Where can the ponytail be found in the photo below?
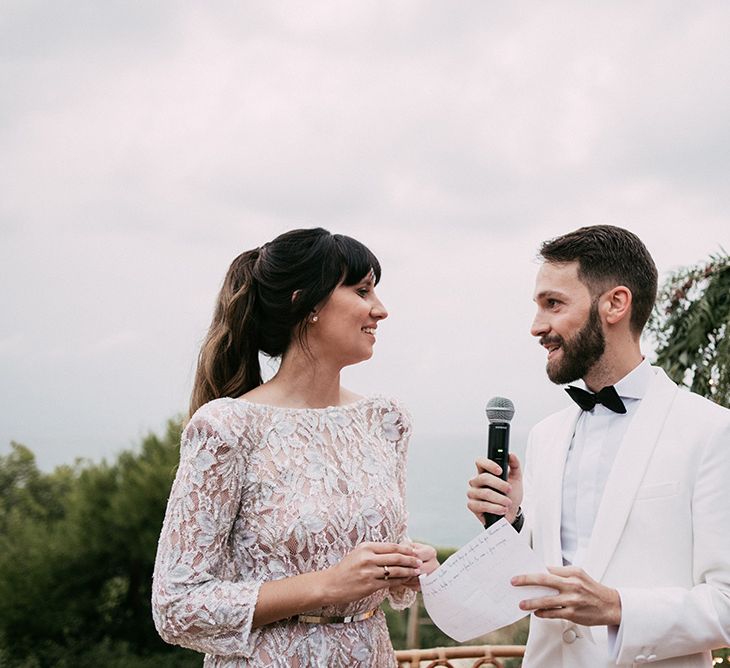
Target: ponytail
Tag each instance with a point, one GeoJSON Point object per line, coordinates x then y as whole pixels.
{"type": "Point", "coordinates": [228, 364]}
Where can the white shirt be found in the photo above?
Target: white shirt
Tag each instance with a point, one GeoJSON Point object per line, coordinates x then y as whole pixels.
{"type": "Point", "coordinates": [596, 440]}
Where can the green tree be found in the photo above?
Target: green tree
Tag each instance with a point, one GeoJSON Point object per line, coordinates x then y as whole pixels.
{"type": "Point", "coordinates": [77, 549]}
{"type": "Point", "coordinates": [25, 491]}
{"type": "Point", "coordinates": [690, 323]}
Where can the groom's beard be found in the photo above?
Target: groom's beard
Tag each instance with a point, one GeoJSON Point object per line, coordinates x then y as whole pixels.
{"type": "Point", "coordinates": [579, 353]}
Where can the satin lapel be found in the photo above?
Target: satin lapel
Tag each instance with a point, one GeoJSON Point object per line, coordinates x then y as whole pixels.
{"type": "Point", "coordinates": [627, 472]}
{"type": "Point", "coordinates": [554, 454]}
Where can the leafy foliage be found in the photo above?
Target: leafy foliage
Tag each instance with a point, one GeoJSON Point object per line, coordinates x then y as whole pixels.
{"type": "Point", "coordinates": [77, 549]}
{"type": "Point", "coordinates": [690, 323]}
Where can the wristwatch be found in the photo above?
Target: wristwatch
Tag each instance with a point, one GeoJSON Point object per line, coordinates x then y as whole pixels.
{"type": "Point", "coordinates": [519, 520]}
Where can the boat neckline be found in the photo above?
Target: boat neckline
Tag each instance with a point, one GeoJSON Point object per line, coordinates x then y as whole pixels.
{"type": "Point", "coordinates": [351, 404]}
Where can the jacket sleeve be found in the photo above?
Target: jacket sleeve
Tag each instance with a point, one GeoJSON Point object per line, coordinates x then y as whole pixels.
{"type": "Point", "coordinates": [660, 623]}
{"type": "Point", "coordinates": [196, 602]}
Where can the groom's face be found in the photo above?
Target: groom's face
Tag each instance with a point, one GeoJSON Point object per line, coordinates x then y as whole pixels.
{"type": "Point", "coordinates": [567, 323]}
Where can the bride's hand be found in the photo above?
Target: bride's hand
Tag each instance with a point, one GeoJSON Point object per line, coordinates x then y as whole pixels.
{"type": "Point", "coordinates": [427, 555]}
{"type": "Point", "coordinates": [369, 567]}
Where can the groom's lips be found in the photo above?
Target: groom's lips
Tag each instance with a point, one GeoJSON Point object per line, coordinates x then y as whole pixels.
{"type": "Point", "coordinates": [552, 347]}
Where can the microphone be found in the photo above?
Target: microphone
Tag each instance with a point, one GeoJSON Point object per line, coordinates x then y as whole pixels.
{"type": "Point", "coordinates": [499, 412]}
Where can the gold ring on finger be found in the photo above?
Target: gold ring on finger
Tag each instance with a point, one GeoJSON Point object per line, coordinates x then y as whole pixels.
{"type": "Point", "coordinates": [386, 573]}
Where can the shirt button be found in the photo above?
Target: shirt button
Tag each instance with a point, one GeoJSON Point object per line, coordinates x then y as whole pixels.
{"type": "Point", "coordinates": [569, 635]}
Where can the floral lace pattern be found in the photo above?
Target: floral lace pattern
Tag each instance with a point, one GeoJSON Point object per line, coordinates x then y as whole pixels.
{"type": "Point", "coordinates": [264, 493]}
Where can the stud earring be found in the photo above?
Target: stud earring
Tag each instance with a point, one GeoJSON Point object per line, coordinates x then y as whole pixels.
{"type": "Point", "coordinates": [314, 318]}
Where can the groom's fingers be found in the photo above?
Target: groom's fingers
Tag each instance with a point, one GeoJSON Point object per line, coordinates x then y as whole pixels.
{"type": "Point", "coordinates": [484, 500]}
{"type": "Point", "coordinates": [487, 495]}
{"type": "Point", "coordinates": [539, 579]}
{"type": "Point", "coordinates": [491, 481]}
{"type": "Point", "coordinates": [486, 465]}
{"type": "Point", "coordinates": [487, 492]}
{"type": "Point", "coordinates": [515, 470]}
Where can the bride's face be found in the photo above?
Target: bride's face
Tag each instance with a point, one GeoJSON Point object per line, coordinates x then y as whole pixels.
{"type": "Point", "coordinates": [346, 323]}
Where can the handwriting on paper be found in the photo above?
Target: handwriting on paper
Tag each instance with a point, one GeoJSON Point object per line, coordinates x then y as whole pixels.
{"type": "Point", "coordinates": [470, 593]}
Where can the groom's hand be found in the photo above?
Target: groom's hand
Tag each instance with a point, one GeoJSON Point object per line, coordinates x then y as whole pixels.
{"type": "Point", "coordinates": [488, 493]}
{"type": "Point", "coordinates": [580, 598]}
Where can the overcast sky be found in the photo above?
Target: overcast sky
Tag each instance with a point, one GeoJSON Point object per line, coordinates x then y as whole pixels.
{"type": "Point", "coordinates": [144, 145]}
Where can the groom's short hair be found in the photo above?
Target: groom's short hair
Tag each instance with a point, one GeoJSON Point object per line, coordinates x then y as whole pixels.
{"type": "Point", "coordinates": [608, 256]}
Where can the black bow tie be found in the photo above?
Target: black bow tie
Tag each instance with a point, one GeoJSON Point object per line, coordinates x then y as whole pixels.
{"type": "Point", "coordinates": [587, 400]}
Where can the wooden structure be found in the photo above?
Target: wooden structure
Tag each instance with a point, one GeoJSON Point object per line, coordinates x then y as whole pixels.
{"type": "Point", "coordinates": [483, 655]}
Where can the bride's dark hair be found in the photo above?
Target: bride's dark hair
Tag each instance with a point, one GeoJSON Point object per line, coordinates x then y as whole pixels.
{"type": "Point", "coordinates": [266, 298]}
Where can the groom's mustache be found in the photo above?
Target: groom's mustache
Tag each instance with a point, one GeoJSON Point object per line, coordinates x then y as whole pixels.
{"type": "Point", "coordinates": [551, 340]}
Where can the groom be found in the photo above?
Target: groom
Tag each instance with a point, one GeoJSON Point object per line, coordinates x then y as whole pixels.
{"type": "Point", "coordinates": [627, 491]}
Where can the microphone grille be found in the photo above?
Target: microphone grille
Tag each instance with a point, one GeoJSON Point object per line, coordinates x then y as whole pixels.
{"type": "Point", "coordinates": [500, 409]}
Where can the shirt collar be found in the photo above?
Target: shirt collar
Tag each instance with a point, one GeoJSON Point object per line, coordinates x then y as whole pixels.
{"type": "Point", "coordinates": [635, 383]}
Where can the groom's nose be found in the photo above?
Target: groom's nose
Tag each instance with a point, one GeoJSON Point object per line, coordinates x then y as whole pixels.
{"type": "Point", "coordinates": [539, 327]}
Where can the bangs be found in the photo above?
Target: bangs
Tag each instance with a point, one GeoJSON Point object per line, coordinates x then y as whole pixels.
{"type": "Point", "coordinates": [357, 260]}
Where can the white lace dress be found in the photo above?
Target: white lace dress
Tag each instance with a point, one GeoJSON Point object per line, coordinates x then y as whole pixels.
{"type": "Point", "coordinates": [264, 493]}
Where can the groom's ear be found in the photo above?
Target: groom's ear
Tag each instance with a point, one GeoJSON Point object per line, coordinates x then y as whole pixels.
{"type": "Point", "coordinates": [616, 305]}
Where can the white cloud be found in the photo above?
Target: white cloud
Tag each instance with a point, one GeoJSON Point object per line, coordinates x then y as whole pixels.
{"type": "Point", "coordinates": [145, 146]}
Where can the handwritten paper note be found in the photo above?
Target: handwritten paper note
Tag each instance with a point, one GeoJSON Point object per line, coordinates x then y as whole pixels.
{"type": "Point", "coordinates": [470, 593]}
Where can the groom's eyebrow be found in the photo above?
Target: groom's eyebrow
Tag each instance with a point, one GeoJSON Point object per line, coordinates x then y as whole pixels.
{"type": "Point", "coordinates": [546, 294]}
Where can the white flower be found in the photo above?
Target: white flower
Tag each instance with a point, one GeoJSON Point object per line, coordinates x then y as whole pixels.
{"type": "Point", "coordinates": [181, 573]}
{"type": "Point", "coordinates": [205, 522]}
{"type": "Point", "coordinates": [314, 523]}
{"type": "Point", "coordinates": [391, 426]}
{"type": "Point", "coordinates": [372, 516]}
{"type": "Point", "coordinates": [361, 652]}
{"type": "Point", "coordinates": [371, 465]}
{"type": "Point", "coordinates": [203, 460]}
{"type": "Point", "coordinates": [247, 539]}
{"type": "Point", "coordinates": [276, 567]}
{"type": "Point", "coordinates": [273, 440]}
{"type": "Point", "coordinates": [341, 418]}
{"type": "Point", "coordinates": [285, 427]}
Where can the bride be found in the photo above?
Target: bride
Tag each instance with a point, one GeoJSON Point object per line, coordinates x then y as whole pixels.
{"type": "Point", "coordinates": [286, 524]}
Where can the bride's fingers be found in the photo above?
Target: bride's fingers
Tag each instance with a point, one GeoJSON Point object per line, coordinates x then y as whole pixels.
{"type": "Point", "coordinates": [389, 573]}
{"type": "Point", "coordinates": [389, 548]}
{"type": "Point", "coordinates": [397, 560]}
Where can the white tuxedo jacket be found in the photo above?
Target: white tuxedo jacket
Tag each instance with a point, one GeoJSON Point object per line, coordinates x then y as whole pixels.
{"type": "Point", "coordinates": [661, 537]}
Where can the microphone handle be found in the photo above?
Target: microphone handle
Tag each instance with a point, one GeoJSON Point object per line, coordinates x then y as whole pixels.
{"type": "Point", "coordinates": [498, 451]}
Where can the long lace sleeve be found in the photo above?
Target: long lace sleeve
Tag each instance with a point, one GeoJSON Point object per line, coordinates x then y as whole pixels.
{"type": "Point", "coordinates": [399, 426]}
{"type": "Point", "coordinates": [197, 600]}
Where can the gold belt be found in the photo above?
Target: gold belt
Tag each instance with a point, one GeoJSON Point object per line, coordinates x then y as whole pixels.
{"type": "Point", "coordinates": [321, 619]}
